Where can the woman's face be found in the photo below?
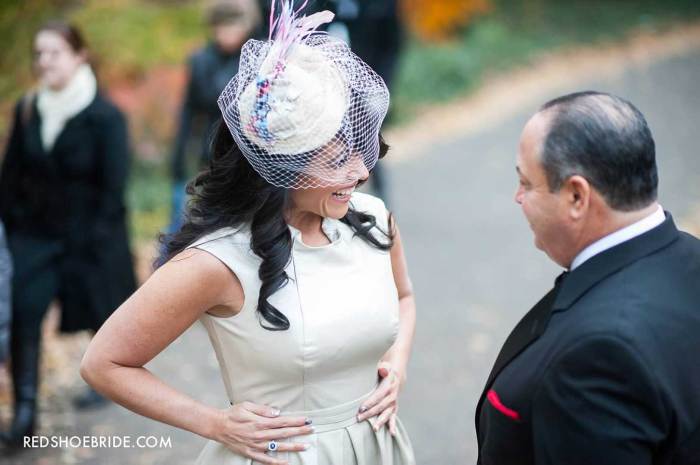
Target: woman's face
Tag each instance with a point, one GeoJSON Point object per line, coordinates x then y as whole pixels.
{"type": "Point", "coordinates": [333, 201]}
{"type": "Point", "coordinates": [55, 60]}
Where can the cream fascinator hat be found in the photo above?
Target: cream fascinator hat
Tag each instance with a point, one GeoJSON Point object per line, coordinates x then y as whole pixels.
{"type": "Point", "coordinates": [302, 104]}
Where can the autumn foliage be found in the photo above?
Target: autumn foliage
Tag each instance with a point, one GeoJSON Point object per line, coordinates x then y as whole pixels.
{"type": "Point", "coordinates": [439, 19]}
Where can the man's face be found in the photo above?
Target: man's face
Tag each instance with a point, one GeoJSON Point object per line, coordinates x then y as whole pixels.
{"type": "Point", "coordinates": [546, 212]}
{"type": "Point", "coordinates": [230, 36]}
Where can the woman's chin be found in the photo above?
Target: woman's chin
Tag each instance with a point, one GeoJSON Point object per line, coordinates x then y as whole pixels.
{"type": "Point", "coordinates": [337, 210]}
{"type": "Point", "coordinates": [340, 214]}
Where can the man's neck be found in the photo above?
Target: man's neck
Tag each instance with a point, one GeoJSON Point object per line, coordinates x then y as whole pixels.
{"type": "Point", "coordinates": [612, 222]}
{"type": "Point", "coordinates": [617, 220]}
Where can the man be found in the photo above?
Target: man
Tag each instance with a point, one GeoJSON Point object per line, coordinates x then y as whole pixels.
{"type": "Point", "coordinates": [604, 369]}
{"type": "Point", "coordinates": [375, 35]}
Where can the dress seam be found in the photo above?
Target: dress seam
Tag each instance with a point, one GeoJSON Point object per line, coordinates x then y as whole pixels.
{"type": "Point", "coordinates": [303, 329]}
{"type": "Point", "coordinates": [224, 365]}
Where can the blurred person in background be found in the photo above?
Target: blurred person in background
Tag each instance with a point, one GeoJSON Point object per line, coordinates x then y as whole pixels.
{"type": "Point", "coordinates": [231, 23]}
{"type": "Point", "coordinates": [375, 35]}
{"type": "Point", "coordinates": [62, 185]}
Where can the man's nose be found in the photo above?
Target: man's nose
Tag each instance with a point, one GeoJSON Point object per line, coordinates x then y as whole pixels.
{"type": "Point", "coordinates": [519, 195]}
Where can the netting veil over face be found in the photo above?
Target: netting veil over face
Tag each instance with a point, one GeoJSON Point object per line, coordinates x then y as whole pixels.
{"type": "Point", "coordinates": [304, 109]}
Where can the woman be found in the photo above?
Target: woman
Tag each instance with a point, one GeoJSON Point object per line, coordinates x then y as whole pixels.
{"type": "Point", "coordinates": [61, 199]}
{"type": "Point", "coordinates": [300, 281]}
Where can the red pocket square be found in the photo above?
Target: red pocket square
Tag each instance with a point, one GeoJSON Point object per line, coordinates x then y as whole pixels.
{"type": "Point", "coordinates": [498, 405]}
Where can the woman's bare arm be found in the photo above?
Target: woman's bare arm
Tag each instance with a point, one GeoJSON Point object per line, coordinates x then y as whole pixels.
{"type": "Point", "coordinates": [155, 315]}
{"type": "Point", "coordinates": [168, 303]}
{"type": "Point", "coordinates": [382, 405]}
{"type": "Point", "coordinates": [399, 353]}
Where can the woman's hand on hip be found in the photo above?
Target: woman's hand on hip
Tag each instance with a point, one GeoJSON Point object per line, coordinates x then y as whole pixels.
{"type": "Point", "coordinates": [248, 428]}
{"type": "Point", "coordinates": [383, 403]}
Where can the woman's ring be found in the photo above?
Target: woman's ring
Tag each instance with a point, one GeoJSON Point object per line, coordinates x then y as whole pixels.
{"type": "Point", "coordinates": [272, 446]}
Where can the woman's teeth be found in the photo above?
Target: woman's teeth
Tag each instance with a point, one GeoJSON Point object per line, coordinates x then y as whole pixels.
{"type": "Point", "coordinates": [344, 192]}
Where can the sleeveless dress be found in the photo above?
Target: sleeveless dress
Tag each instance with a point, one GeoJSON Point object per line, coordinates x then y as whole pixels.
{"type": "Point", "coordinates": [342, 305]}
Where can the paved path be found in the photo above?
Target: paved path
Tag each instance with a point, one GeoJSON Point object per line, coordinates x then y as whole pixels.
{"type": "Point", "coordinates": [475, 272]}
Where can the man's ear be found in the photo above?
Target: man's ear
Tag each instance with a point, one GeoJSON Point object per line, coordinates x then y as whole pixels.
{"type": "Point", "coordinates": [577, 190]}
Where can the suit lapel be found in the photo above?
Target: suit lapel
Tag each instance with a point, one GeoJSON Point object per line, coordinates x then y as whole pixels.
{"type": "Point", "coordinates": [525, 333]}
{"type": "Point", "coordinates": [529, 329]}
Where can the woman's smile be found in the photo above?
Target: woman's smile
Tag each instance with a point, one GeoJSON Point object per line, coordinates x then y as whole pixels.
{"type": "Point", "coordinates": [343, 195]}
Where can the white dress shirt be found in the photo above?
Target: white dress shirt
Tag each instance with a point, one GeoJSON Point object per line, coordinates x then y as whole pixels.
{"type": "Point", "coordinates": [618, 237]}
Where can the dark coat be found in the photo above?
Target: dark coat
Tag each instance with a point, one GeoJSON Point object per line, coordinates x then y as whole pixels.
{"type": "Point", "coordinates": [604, 369]}
{"type": "Point", "coordinates": [374, 26]}
{"type": "Point", "coordinates": [209, 71]}
{"type": "Point", "coordinates": [376, 36]}
{"type": "Point", "coordinates": [74, 196]}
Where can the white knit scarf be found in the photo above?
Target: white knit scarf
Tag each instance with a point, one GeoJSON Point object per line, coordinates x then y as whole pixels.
{"type": "Point", "coordinates": [56, 107]}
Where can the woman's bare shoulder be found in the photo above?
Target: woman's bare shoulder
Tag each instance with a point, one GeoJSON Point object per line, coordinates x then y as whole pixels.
{"type": "Point", "coordinates": [199, 271]}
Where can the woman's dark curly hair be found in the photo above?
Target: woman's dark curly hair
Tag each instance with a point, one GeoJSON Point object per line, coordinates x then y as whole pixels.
{"type": "Point", "coordinates": [231, 194]}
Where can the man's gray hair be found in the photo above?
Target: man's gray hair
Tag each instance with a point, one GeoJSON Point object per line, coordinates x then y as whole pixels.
{"type": "Point", "coordinates": [606, 140]}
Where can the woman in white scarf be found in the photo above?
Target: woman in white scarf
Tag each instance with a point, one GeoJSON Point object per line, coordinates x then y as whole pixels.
{"type": "Point", "coordinates": [56, 106]}
{"type": "Point", "coordinates": [67, 83]}
{"type": "Point", "coordinates": [62, 185]}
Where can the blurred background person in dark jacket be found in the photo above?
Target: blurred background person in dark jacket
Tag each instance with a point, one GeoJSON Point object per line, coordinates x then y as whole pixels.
{"type": "Point", "coordinates": [231, 23]}
{"type": "Point", "coordinates": [375, 35]}
{"type": "Point", "coordinates": [62, 185]}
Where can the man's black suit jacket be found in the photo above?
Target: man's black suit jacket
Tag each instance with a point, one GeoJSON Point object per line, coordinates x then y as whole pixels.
{"type": "Point", "coordinates": [605, 369]}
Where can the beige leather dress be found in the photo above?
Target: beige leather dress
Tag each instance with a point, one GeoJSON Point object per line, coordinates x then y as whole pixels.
{"type": "Point", "coordinates": [342, 305]}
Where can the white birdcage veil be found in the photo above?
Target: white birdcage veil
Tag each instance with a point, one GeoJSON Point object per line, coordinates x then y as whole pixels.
{"type": "Point", "coordinates": [303, 105]}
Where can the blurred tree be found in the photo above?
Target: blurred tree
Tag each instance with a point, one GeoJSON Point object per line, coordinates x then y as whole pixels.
{"type": "Point", "coordinates": [438, 20]}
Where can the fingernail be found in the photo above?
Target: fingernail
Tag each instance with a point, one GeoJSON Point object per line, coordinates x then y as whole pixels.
{"type": "Point", "coordinates": [363, 409]}
{"type": "Point", "coordinates": [306, 446]}
{"type": "Point", "coordinates": [276, 412]}
{"type": "Point", "coordinates": [308, 421]}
